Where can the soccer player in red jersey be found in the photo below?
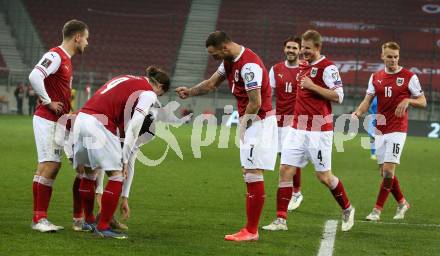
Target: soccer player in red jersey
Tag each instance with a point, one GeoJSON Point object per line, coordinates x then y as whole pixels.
{"type": "Point", "coordinates": [97, 145]}
{"type": "Point", "coordinates": [146, 133]}
{"type": "Point", "coordinates": [52, 80]}
{"type": "Point", "coordinates": [396, 88]}
{"type": "Point", "coordinates": [311, 136]}
{"type": "Point", "coordinates": [248, 81]}
{"type": "Point", "coordinates": [283, 80]}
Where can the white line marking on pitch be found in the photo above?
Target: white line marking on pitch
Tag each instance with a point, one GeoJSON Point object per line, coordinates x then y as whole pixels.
{"type": "Point", "coordinates": [401, 223]}
{"type": "Point", "coordinates": [328, 238]}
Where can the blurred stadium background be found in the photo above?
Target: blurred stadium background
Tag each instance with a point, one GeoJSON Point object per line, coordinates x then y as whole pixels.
{"type": "Point", "coordinates": [126, 36]}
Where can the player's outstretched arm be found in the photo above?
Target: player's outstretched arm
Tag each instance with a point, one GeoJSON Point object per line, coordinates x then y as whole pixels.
{"type": "Point", "coordinates": [363, 107]}
{"type": "Point", "coordinates": [202, 88]}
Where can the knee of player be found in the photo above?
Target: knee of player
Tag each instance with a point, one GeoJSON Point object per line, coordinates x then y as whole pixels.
{"type": "Point", "coordinates": [286, 173]}
{"type": "Point", "coordinates": [388, 170]}
{"type": "Point", "coordinates": [50, 166]}
{"type": "Point", "coordinates": [325, 178]}
{"type": "Point", "coordinates": [250, 177]}
{"type": "Point", "coordinates": [388, 173]}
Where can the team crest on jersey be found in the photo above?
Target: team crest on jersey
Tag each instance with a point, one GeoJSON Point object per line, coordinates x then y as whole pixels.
{"type": "Point", "coordinates": [236, 75]}
{"type": "Point", "coordinates": [400, 81]}
{"type": "Point", "coordinates": [335, 76]}
{"type": "Point", "coordinates": [313, 72]}
{"type": "Point", "coordinates": [249, 76]}
{"type": "Point", "coordinates": [46, 63]}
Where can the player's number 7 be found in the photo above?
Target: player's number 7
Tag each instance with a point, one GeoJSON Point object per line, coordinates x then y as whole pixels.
{"type": "Point", "coordinates": [114, 83]}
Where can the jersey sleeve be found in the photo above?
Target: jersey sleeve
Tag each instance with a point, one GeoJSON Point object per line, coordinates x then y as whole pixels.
{"type": "Point", "coordinates": [414, 86]}
{"type": "Point", "coordinates": [130, 173]}
{"type": "Point", "coordinates": [272, 80]}
{"type": "Point", "coordinates": [370, 89]}
{"type": "Point", "coordinates": [252, 75]}
{"type": "Point", "coordinates": [49, 63]}
{"type": "Point", "coordinates": [331, 77]}
{"type": "Point", "coordinates": [146, 100]}
{"type": "Point", "coordinates": [221, 70]}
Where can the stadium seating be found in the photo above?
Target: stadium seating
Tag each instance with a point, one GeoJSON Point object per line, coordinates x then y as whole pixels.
{"type": "Point", "coordinates": [352, 30]}
{"type": "Point", "coordinates": [3, 68]}
{"type": "Point", "coordinates": [125, 36]}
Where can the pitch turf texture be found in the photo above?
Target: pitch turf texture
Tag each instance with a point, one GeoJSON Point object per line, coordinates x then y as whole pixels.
{"type": "Point", "coordinates": [185, 207]}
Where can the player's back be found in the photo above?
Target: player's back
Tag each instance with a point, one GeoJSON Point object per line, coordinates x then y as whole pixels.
{"type": "Point", "coordinates": [116, 99]}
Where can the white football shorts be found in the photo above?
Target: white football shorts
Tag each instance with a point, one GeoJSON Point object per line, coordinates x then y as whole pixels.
{"type": "Point", "coordinates": [94, 145]}
{"type": "Point", "coordinates": [48, 150]}
{"type": "Point", "coordinates": [282, 133]}
{"type": "Point", "coordinates": [259, 148]}
{"type": "Point", "coordinates": [389, 147]}
{"type": "Point", "coordinates": [300, 146]}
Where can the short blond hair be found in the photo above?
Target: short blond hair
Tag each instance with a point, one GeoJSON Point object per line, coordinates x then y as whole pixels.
{"type": "Point", "coordinates": [391, 45]}
{"type": "Point", "coordinates": [314, 36]}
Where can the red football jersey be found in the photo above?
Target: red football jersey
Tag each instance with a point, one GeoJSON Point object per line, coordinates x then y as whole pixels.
{"type": "Point", "coordinates": [57, 85]}
{"type": "Point", "coordinates": [285, 81]}
{"type": "Point", "coordinates": [390, 90]}
{"type": "Point", "coordinates": [117, 98]}
{"type": "Point", "coordinates": [243, 75]}
{"type": "Point", "coordinates": [313, 112]}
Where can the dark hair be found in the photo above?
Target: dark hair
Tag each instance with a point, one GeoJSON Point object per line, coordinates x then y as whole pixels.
{"type": "Point", "coordinates": [295, 39]}
{"type": "Point", "coordinates": [314, 36]}
{"type": "Point", "coordinates": [72, 27]}
{"type": "Point", "coordinates": [217, 39]}
{"type": "Point", "coordinates": [159, 76]}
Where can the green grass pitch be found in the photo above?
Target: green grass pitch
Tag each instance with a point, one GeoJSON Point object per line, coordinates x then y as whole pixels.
{"type": "Point", "coordinates": [185, 207]}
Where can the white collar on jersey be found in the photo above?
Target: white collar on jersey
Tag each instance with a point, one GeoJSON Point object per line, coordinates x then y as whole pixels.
{"type": "Point", "coordinates": [241, 53]}
{"type": "Point", "coordinates": [64, 50]}
{"type": "Point", "coordinates": [317, 61]}
{"type": "Point", "coordinates": [286, 63]}
{"type": "Point", "coordinates": [395, 72]}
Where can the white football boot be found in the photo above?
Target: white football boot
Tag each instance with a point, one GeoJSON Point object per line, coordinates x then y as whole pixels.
{"type": "Point", "coordinates": [295, 201]}
{"type": "Point", "coordinates": [401, 210]}
{"type": "Point", "coordinates": [43, 225]}
{"type": "Point", "coordinates": [278, 224]}
{"type": "Point", "coordinates": [347, 218]}
{"type": "Point", "coordinates": [374, 215]}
